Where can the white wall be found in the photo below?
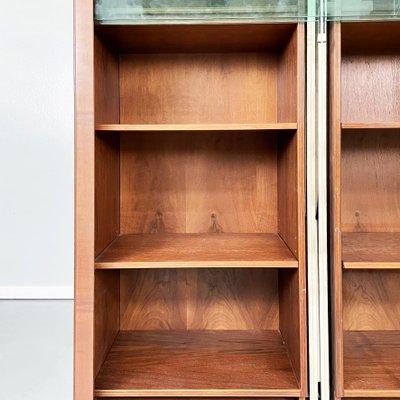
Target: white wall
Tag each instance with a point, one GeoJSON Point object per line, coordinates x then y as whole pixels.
{"type": "Point", "coordinates": [36, 148]}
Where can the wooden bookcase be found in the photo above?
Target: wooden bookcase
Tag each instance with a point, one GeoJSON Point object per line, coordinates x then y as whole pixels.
{"type": "Point", "coordinates": [365, 207]}
{"type": "Point", "coordinates": [190, 225]}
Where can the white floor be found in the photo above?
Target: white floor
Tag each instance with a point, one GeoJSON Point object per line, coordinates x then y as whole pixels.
{"type": "Point", "coordinates": [36, 349]}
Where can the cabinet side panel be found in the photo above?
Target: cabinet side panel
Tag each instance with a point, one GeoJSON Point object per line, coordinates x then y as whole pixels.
{"type": "Point", "coordinates": [107, 189]}
{"type": "Point", "coordinates": [287, 80]}
{"type": "Point", "coordinates": [106, 70]}
{"type": "Point", "coordinates": [106, 311]}
{"type": "Point", "coordinates": [223, 298]}
{"type": "Point", "coordinates": [334, 198]}
{"type": "Point", "coordinates": [291, 225]}
{"type": "Point", "coordinates": [84, 200]}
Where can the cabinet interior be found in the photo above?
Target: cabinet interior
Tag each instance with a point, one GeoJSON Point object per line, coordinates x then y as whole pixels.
{"type": "Point", "coordinates": [199, 225]}
{"type": "Point", "coordinates": [365, 142]}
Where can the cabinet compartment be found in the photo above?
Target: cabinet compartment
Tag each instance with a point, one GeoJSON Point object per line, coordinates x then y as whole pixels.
{"type": "Point", "coordinates": [365, 211]}
{"type": "Point", "coordinates": [370, 198]}
{"type": "Point", "coordinates": [370, 73]}
{"type": "Point", "coordinates": [197, 74]}
{"type": "Point", "coordinates": [191, 332]}
{"type": "Point", "coordinates": [196, 199]}
{"type": "Point", "coordinates": [371, 323]}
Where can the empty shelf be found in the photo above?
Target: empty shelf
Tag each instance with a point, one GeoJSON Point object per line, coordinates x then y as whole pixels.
{"type": "Point", "coordinates": [371, 250]}
{"type": "Point", "coordinates": [195, 127]}
{"type": "Point", "coordinates": [197, 250]}
{"type": "Point", "coordinates": [197, 363]}
{"type": "Point", "coordinates": [372, 363]}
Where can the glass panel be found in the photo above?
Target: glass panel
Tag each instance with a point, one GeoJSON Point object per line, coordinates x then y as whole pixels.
{"type": "Point", "coordinates": [145, 11]}
{"type": "Point", "coordinates": [354, 10]}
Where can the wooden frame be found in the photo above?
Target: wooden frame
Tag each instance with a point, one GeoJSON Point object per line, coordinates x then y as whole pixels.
{"type": "Point", "coordinates": [169, 269]}
{"type": "Point", "coordinates": [364, 215]}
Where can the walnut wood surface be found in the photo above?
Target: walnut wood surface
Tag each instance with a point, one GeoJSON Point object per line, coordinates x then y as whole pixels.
{"type": "Point", "coordinates": [106, 314]}
{"type": "Point", "coordinates": [106, 75]}
{"type": "Point", "coordinates": [196, 38]}
{"type": "Point", "coordinates": [372, 364]}
{"type": "Point", "coordinates": [371, 300]}
{"type": "Point", "coordinates": [353, 126]}
{"type": "Point", "coordinates": [370, 87]}
{"type": "Point", "coordinates": [198, 363]}
{"type": "Point", "coordinates": [106, 190]}
{"type": "Point", "coordinates": [187, 88]}
{"type": "Point", "coordinates": [371, 250]}
{"type": "Point", "coordinates": [196, 250]}
{"type": "Point", "coordinates": [335, 50]}
{"type": "Point", "coordinates": [84, 201]}
{"type": "Point", "coordinates": [190, 299]}
{"type": "Point", "coordinates": [370, 181]}
{"type": "Point", "coordinates": [189, 177]}
{"type": "Point", "coordinates": [195, 127]}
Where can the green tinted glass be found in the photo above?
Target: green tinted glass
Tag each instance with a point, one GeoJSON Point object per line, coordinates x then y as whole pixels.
{"type": "Point", "coordinates": [136, 11]}
{"type": "Point", "coordinates": [354, 10]}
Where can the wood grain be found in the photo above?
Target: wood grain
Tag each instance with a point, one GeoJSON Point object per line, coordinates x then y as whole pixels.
{"type": "Point", "coordinates": [370, 88]}
{"type": "Point", "coordinates": [197, 38]}
{"type": "Point", "coordinates": [196, 250]}
{"type": "Point", "coordinates": [335, 136]}
{"type": "Point", "coordinates": [353, 126]}
{"type": "Point", "coordinates": [155, 88]}
{"type": "Point", "coordinates": [289, 61]}
{"type": "Point", "coordinates": [84, 202]}
{"type": "Point", "coordinates": [372, 364]}
{"type": "Point", "coordinates": [198, 363]}
{"type": "Point", "coordinates": [288, 191]}
{"type": "Point", "coordinates": [176, 299]}
{"type": "Point", "coordinates": [106, 75]}
{"type": "Point", "coordinates": [106, 190]}
{"type": "Point", "coordinates": [196, 127]}
{"type": "Point", "coordinates": [371, 250]}
{"type": "Point", "coordinates": [189, 177]}
{"type": "Point", "coordinates": [371, 181]}
{"type": "Point", "coordinates": [371, 300]}
{"type": "Point", "coordinates": [106, 314]}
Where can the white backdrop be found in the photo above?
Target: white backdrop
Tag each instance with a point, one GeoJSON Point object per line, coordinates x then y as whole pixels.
{"type": "Point", "coordinates": [36, 148]}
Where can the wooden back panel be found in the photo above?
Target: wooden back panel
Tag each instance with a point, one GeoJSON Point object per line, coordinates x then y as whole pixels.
{"type": "Point", "coordinates": [371, 181]}
{"type": "Point", "coordinates": [370, 86]}
{"type": "Point", "coordinates": [189, 88]}
{"type": "Point", "coordinates": [199, 299]}
{"type": "Point", "coordinates": [190, 176]}
{"type": "Point", "coordinates": [371, 300]}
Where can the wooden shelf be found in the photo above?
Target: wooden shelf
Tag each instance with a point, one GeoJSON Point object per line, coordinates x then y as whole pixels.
{"type": "Point", "coordinates": [371, 250]}
{"type": "Point", "coordinates": [371, 125]}
{"type": "Point", "coordinates": [197, 250]}
{"type": "Point", "coordinates": [372, 364]}
{"type": "Point", "coordinates": [197, 363]}
{"type": "Point", "coordinates": [195, 127]}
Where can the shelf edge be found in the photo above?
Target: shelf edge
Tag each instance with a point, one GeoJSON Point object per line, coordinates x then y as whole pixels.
{"type": "Point", "coordinates": [359, 393]}
{"type": "Point", "coordinates": [194, 127]}
{"type": "Point", "coordinates": [370, 125]}
{"type": "Point", "coordinates": [199, 393]}
{"type": "Point", "coordinates": [370, 265]}
{"type": "Point", "coordinates": [196, 264]}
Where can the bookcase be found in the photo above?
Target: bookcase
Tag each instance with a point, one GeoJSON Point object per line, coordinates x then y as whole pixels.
{"type": "Point", "coordinates": [365, 207]}
{"type": "Point", "coordinates": [190, 210]}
